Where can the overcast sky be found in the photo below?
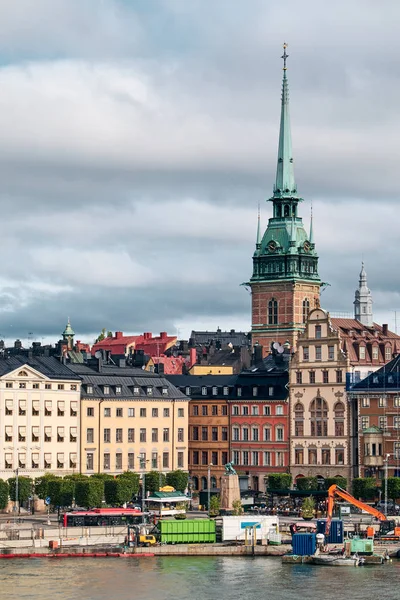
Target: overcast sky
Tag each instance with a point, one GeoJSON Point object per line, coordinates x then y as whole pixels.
{"type": "Point", "coordinates": [137, 138]}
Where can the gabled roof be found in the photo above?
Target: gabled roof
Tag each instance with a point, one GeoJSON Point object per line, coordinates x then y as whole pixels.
{"type": "Point", "coordinates": [386, 378]}
{"type": "Point", "coordinates": [49, 366]}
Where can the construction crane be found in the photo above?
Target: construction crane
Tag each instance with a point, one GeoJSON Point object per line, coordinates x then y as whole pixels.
{"type": "Point", "coordinates": [336, 492]}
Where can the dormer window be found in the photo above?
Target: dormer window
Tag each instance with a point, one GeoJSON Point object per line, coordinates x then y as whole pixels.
{"type": "Point", "coordinates": [187, 391]}
{"type": "Point", "coordinates": [106, 389]}
{"type": "Point", "coordinates": [361, 352]}
{"type": "Point", "coordinates": [136, 390]}
{"type": "Point", "coordinates": [149, 390]}
{"type": "Point", "coordinates": [204, 391]}
{"type": "Point", "coordinates": [89, 389]}
{"type": "Point", "coordinates": [118, 389]}
{"type": "Point", "coordinates": [255, 391]}
{"type": "Point", "coordinates": [214, 390]}
{"type": "Point", "coordinates": [375, 352]}
{"type": "Point", "coordinates": [165, 391]}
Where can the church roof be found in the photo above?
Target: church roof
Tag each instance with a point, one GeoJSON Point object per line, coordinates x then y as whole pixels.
{"type": "Point", "coordinates": [68, 329]}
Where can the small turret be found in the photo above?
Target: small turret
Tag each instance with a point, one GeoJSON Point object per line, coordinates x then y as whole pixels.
{"type": "Point", "coordinates": [363, 301]}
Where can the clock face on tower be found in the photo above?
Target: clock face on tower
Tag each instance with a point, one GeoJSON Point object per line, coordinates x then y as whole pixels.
{"type": "Point", "coordinates": [306, 246]}
{"type": "Point", "coordinates": [272, 246]}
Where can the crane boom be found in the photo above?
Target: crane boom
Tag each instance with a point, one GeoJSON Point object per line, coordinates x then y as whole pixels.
{"type": "Point", "coordinates": [335, 491]}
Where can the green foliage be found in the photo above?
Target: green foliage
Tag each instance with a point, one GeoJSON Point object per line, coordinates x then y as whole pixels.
{"type": "Point", "coordinates": [153, 481]}
{"type": "Point", "coordinates": [134, 479]}
{"type": "Point", "coordinates": [393, 488]}
{"type": "Point", "coordinates": [102, 476]}
{"type": "Point", "coordinates": [178, 479]}
{"type": "Point", "coordinates": [364, 488]}
{"type": "Point", "coordinates": [215, 505]}
{"type": "Point", "coordinates": [118, 491]}
{"type": "Point", "coordinates": [25, 488]}
{"type": "Point", "coordinates": [340, 481]}
{"type": "Point", "coordinates": [237, 508]}
{"type": "Point", "coordinates": [89, 492]}
{"type": "Point", "coordinates": [103, 334]}
{"type": "Point", "coordinates": [180, 516]}
{"type": "Point", "coordinates": [307, 483]}
{"type": "Point", "coordinates": [308, 507]}
{"type": "Point", "coordinates": [67, 492]}
{"type": "Point", "coordinates": [4, 493]}
{"type": "Point", "coordinates": [42, 485]}
{"type": "Point", "coordinates": [76, 477]}
{"type": "Point", "coordinates": [279, 481]}
{"type": "Point", "coordinates": [61, 491]}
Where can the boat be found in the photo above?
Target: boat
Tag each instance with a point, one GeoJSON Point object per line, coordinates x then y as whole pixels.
{"type": "Point", "coordinates": [337, 561]}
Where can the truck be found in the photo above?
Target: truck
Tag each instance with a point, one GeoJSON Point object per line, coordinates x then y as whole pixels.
{"type": "Point", "coordinates": [235, 528]}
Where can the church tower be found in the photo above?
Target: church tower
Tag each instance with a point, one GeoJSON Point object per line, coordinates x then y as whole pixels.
{"type": "Point", "coordinates": [363, 301]}
{"type": "Point", "coordinates": [68, 335]}
{"type": "Point", "coordinates": [285, 284]}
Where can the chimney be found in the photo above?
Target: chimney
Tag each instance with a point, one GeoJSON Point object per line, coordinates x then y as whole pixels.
{"type": "Point", "coordinates": [257, 354]}
{"type": "Point", "coordinates": [122, 363]}
{"type": "Point", "coordinates": [159, 368]}
{"type": "Point", "coordinates": [118, 335]}
{"type": "Point", "coordinates": [163, 335]}
{"type": "Point", "coordinates": [193, 357]}
{"type": "Point", "coordinates": [384, 329]}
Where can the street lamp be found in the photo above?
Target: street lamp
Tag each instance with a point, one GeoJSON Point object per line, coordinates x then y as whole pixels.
{"type": "Point", "coordinates": [16, 505]}
{"type": "Point", "coordinates": [386, 460]}
{"type": "Point", "coordinates": [208, 486]}
{"type": "Point", "coordinates": [142, 462]}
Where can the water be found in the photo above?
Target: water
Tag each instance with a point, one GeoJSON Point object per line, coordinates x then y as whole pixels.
{"type": "Point", "coordinates": [192, 578]}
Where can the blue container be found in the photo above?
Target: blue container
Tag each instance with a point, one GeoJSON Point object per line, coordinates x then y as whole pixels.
{"type": "Point", "coordinates": [304, 544]}
{"type": "Point", "coordinates": [335, 533]}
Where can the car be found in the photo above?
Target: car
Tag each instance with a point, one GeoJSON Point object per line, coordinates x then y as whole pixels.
{"type": "Point", "coordinates": [391, 507]}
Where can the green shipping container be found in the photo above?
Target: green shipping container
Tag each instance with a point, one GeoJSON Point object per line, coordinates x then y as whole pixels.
{"type": "Point", "coordinates": [362, 546]}
{"type": "Point", "coordinates": [194, 531]}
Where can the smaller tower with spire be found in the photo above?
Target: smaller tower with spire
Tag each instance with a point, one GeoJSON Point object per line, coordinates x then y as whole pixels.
{"type": "Point", "coordinates": [363, 301]}
{"type": "Point", "coordinates": [68, 335]}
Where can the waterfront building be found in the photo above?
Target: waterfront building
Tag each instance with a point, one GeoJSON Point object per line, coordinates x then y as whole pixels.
{"type": "Point", "coordinates": [209, 438]}
{"type": "Point", "coordinates": [376, 402]}
{"type": "Point", "coordinates": [319, 412]}
{"type": "Point", "coordinates": [285, 284]}
{"type": "Point", "coordinates": [130, 420]}
{"type": "Point", "coordinates": [259, 420]}
{"type": "Point", "coordinates": [39, 416]}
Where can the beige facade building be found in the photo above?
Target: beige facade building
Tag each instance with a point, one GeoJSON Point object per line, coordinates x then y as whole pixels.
{"type": "Point", "coordinates": [39, 417]}
{"type": "Point", "coordinates": [131, 420]}
{"type": "Point", "coordinates": [320, 420]}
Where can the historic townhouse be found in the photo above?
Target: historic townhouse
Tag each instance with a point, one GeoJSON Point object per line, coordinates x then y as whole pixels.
{"type": "Point", "coordinates": [209, 439]}
{"type": "Point", "coordinates": [259, 420]}
{"type": "Point", "coordinates": [319, 415]}
{"type": "Point", "coordinates": [130, 420]}
{"type": "Point", "coordinates": [39, 417]}
{"type": "Point", "coordinates": [377, 402]}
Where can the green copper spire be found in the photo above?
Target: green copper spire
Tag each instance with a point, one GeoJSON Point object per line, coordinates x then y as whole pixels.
{"type": "Point", "coordinates": [68, 331]}
{"type": "Point", "coordinates": [285, 185]}
{"type": "Point", "coordinates": [258, 242]}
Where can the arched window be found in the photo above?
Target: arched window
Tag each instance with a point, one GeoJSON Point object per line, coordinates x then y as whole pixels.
{"type": "Point", "coordinates": [213, 482]}
{"type": "Point", "coordinates": [293, 210]}
{"type": "Point", "coordinates": [319, 417]}
{"type": "Point", "coordinates": [338, 410]}
{"type": "Point", "coordinates": [286, 210]}
{"type": "Point", "coordinates": [306, 309]}
{"type": "Point", "coordinates": [195, 483]}
{"type": "Point", "coordinates": [273, 312]}
{"type": "Point", "coordinates": [278, 210]}
{"type": "Point", "coordinates": [204, 483]}
{"type": "Point", "coordinates": [299, 419]}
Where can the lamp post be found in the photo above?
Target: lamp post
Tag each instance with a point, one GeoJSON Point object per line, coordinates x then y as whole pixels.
{"type": "Point", "coordinates": [386, 482]}
{"type": "Point", "coordinates": [16, 505]}
{"type": "Point", "coordinates": [143, 462]}
{"type": "Point", "coordinates": [209, 486]}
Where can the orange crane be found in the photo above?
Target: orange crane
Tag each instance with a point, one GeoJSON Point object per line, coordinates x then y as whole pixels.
{"type": "Point", "coordinates": [335, 491]}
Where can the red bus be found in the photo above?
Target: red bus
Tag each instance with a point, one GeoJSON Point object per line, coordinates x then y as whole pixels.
{"type": "Point", "coordinates": [102, 517]}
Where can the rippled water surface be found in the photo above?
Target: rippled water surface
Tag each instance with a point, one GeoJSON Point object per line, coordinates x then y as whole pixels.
{"type": "Point", "coordinates": [202, 578]}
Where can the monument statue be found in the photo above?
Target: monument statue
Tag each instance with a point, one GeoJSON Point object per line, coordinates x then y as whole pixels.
{"type": "Point", "coordinates": [229, 470]}
{"type": "Point", "coordinates": [230, 491]}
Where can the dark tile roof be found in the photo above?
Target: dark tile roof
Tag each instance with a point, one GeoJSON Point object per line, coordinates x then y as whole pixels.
{"type": "Point", "coordinates": [205, 338]}
{"type": "Point", "coordinates": [386, 378]}
{"type": "Point", "coordinates": [47, 365]}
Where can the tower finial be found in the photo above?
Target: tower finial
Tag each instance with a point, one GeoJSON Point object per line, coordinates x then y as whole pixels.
{"type": "Point", "coordinates": [311, 238]}
{"type": "Point", "coordinates": [284, 56]}
{"type": "Point", "coordinates": [258, 242]}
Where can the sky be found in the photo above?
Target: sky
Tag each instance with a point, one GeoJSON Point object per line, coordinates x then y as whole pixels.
{"type": "Point", "coordinates": [137, 138]}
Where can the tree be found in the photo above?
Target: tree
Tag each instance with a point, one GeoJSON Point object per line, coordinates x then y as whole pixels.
{"type": "Point", "coordinates": [307, 483]}
{"type": "Point", "coordinates": [4, 493]}
{"type": "Point", "coordinates": [25, 488]}
{"type": "Point", "coordinates": [42, 485]}
{"type": "Point", "coordinates": [134, 480]}
{"type": "Point", "coordinates": [340, 481]}
{"type": "Point", "coordinates": [67, 492]}
{"type": "Point", "coordinates": [89, 492]}
{"type": "Point", "coordinates": [237, 507]}
{"type": "Point", "coordinates": [178, 479]}
{"type": "Point", "coordinates": [279, 481]}
{"type": "Point", "coordinates": [118, 491]}
{"type": "Point", "coordinates": [102, 476]}
{"type": "Point", "coordinates": [364, 488]}
{"type": "Point", "coordinates": [308, 507]}
{"type": "Point", "coordinates": [54, 491]}
{"type": "Point", "coordinates": [153, 481]}
{"type": "Point", "coordinates": [215, 505]}
{"type": "Point", "coordinates": [393, 488]}
{"type": "Point", "coordinates": [103, 335]}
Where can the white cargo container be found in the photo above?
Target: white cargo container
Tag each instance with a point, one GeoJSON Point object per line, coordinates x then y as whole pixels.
{"type": "Point", "coordinates": [234, 528]}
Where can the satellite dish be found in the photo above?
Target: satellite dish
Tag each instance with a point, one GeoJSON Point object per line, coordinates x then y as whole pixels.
{"type": "Point", "coordinates": [98, 354]}
{"type": "Point", "coordinates": [281, 349]}
{"type": "Point", "coordinates": [276, 345]}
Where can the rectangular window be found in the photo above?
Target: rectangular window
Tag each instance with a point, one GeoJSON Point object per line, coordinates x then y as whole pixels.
{"type": "Point", "coordinates": [204, 434]}
{"type": "Point", "coordinates": [164, 391]}
{"type": "Point", "coordinates": [339, 428]}
{"type": "Point", "coordinates": [239, 391]}
{"type": "Point", "coordinates": [318, 353]}
{"type": "Point", "coordinates": [106, 390]}
{"type": "Point", "coordinates": [245, 434]}
{"type": "Point", "coordinates": [73, 434]}
{"type": "Point", "coordinates": [204, 410]}
{"type": "Point", "coordinates": [361, 352]}
{"type": "Point", "coordinates": [299, 377]}
{"type": "Point", "coordinates": [279, 434]}
{"type": "Point", "coordinates": [9, 384]}
{"type": "Point", "coordinates": [195, 457]}
{"type": "Point", "coordinates": [22, 408]}
{"type": "Point", "coordinates": [90, 411]}
{"type": "Point", "coordinates": [312, 377]}
{"type": "Point", "coordinates": [131, 434]}
{"type": "Point", "coordinates": [195, 433]}
{"type": "Point", "coordinates": [187, 391]}
{"type": "Point", "coordinates": [89, 461]}
{"type": "Point", "coordinates": [35, 460]}
{"type": "Point", "coordinates": [154, 435]}
{"type": "Point", "coordinates": [279, 410]}
{"type": "Point", "coordinates": [22, 434]}
{"type": "Point", "coordinates": [214, 434]}
{"type": "Point", "coordinates": [181, 413]}
{"type": "Point", "coordinates": [267, 459]}
{"type": "Point", "coordinates": [396, 422]}
{"type": "Point", "coordinates": [131, 412]}
{"type": "Point", "coordinates": [312, 456]}
{"type": "Point", "coordinates": [181, 434]}
{"type": "Point", "coordinates": [279, 459]}
{"type": "Point", "coordinates": [375, 352]}
{"type": "Point", "coordinates": [245, 411]}
{"type": "Point", "coordinates": [74, 387]}
{"type": "Point", "coordinates": [270, 391]}
{"type": "Point", "coordinates": [107, 436]}
{"type": "Point", "coordinates": [9, 407]}
{"type": "Point", "coordinates": [235, 410]}
{"type": "Point", "coordinates": [8, 460]}
{"type": "Point", "coordinates": [154, 413]}
{"type": "Point", "coordinates": [60, 408]}
{"type": "Point", "coordinates": [204, 457]}
{"type": "Point", "coordinates": [214, 410]}
{"type": "Point", "coordinates": [245, 455]}
{"type": "Point", "coordinates": [214, 390]}
{"type": "Point", "coordinates": [382, 402]}
{"type": "Point", "coordinates": [236, 457]}
{"type": "Point", "coordinates": [48, 460]}
{"type": "Point", "coordinates": [224, 434]}
{"type": "Point", "coordinates": [166, 434]}
{"type": "Point", "coordinates": [224, 457]}
{"type": "Point", "coordinates": [364, 423]}
{"type": "Point", "coordinates": [89, 389]}
{"type": "Point", "coordinates": [118, 435]}
{"type": "Point", "coordinates": [254, 459]}
{"type": "Point", "coordinates": [90, 435]}
{"type": "Point", "coordinates": [118, 389]}
{"type": "Point", "coordinates": [365, 402]}
{"type": "Point", "coordinates": [47, 386]}
{"type": "Point", "coordinates": [267, 434]}
{"type": "Point", "coordinates": [142, 435]}
{"type": "Point", "coordinates": [299, 428]}
{"type": "Point", "coordinates": [225, 390]}
{"type": "Point", "coordinates": [35, 434]}
{"type": "Point", "coordinates": [325, 376]}
{"type": "Point", "coordinates": [142, 412]}
{"type": "Point", "coordinates": [22, 386]}
{"type": "Point", "coordinates": [107, 412]}
{"type": "Point", "coordinates": [214, 458]}
{"type": "Point", "coordinates": [131, 461]}
{"type": "Point", "coordinates": [195, 410]}
{"type": "Point", "coordinates": [383, 422]}
{"type": "Point", "coordinates": [326, 456]}
{"type": "Point", "coordinates": [235, 434]}
{"type": "Point", "coordinates": [180, 460]}
{"type": "Point", "coordinates": [106, 461]}
{"type": "Point", "coordinates": [396, 449]}
{"type": "Point", "coordinates": [388, 353]}
{"type": "Point", "coordinates": [165, 460]}
{"type": "Point", "coordinates": [254, 411]}
{"type": "Point", "coordinates": [119, 412]}
{"type": "Point", "coordinates": [267, 410]}
{"type": "Point", "coordinates": [318, 332]}
{"type": "Point", "coordinates": [35, 386]}
{"type": "Point", "coordinates": [118, 461]}
{"type": "Point", "coordinates": [60, 386]}
{"type": "Point", "coordinates": [255, 434]}
{"type": "Point", "coordinates": [339, 377]}
{"type": "Point", "coordinates": [47, 434]}
{"type": "Point", "coordinates": [204, 391]}
{"type": "Point", "coordinates": [396, 401]}
{"type": "Point", "coordinates": [136, 390]}
{"type": "Point", "coordinates": [299, 456]}
{"type": "Point", "coordinates": [154, 460]}
{"type": "Point", "coordinates": [306, 354]}
{"type": "Point", "coordinates": [331, 352]}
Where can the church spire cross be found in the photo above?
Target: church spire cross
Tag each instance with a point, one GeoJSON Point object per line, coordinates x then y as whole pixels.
{"type": "Point", "coordinates": [285, 56]}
